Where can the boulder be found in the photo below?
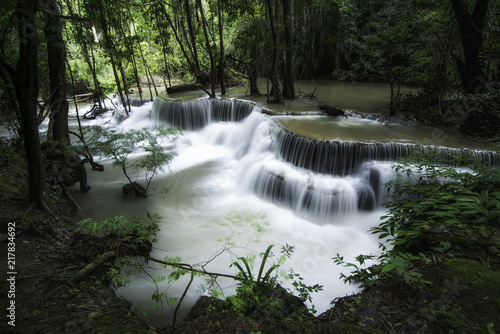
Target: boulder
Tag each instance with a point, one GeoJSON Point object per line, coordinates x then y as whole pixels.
{"type": "Point", "coordinates": [331, 111]}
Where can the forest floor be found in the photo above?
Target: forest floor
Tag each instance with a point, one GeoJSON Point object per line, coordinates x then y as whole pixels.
{"type": "Point", "coordinates": [464, 296]}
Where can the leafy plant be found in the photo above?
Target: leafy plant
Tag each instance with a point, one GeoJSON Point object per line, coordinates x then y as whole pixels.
{"type": "Point", "coordinates": [431, 190]}
{"type": "Point", "coordinates": [132, 230]}
{"type": "Point", "coordinates": [256, 292]}
{"type": "Point", "coordinates": [252, 291]}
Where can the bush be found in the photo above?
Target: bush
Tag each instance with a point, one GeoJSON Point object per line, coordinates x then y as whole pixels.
{"type": "Point", "coordinates": [431, 189]}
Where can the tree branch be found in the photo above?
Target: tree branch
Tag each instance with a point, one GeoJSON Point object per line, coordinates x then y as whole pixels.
{"type": "Point", "coordinates": [190, 268]}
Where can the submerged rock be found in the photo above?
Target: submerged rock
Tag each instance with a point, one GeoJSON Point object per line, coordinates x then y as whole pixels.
{"type": "Point", "coordinates": [332, 111]}
{"type": "Point", "coordinates": [134, 190]}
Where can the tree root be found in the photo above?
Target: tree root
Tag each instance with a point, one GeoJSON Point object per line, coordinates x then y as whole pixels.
{"type": "Point", "coordinates": [69, 196]}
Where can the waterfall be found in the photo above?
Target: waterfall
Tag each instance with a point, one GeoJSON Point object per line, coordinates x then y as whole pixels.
{"type": "Point", "coordinates": [347, 157]}
{"type": "Point", "coordinates": [196, 114]}
{"type": "Point", "coordinates": [319, 195]}
{"type": "Point", "coordinates": [132, 101]}
{"type": "Point", "coordinates": [317, 179]}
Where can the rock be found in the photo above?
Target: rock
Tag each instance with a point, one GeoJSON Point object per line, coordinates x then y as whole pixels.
{"type": "Point", "coordinates": [71, 327]}
{"type": "Point", "coordinates": [182, 88]}
{"type": "Point", "coordinates": [134, 190]}
{"type": "Point", "coordinates": [493, 250]}
{"type": "Point", "coordinates": [332, 111]}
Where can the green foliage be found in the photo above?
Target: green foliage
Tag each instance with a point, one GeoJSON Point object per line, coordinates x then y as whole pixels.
{"type": "Point", "coordinates": [435, 190]}
{"type": "Point", "coordinates": [430, 191]}
{"type": "Point", "coordinates": [118, 145]}
{"type": "Point", "coordinates": [8, 152]}
{"type": "Point", "coordinates": [132, 230]}
{"type": "Point", "coordinates": [253, 292]}
{"type": "Point", "coordinates": [483, 118]}
{"type": "Point", "coordinates": [239, 223]}
{"type": "Point", "coordinates": [257, 292]}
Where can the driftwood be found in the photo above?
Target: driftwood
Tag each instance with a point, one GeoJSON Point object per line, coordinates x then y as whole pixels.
{"type": "Point", "coordinates": [311, 96]}
{"type": "Point", "coordinates": [94, 112]}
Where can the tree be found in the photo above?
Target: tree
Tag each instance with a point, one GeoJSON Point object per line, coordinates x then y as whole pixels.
{"type": "Point", "coordinates": [209, 48]}
{"type": "Point", "coordinates": [288, 85]}
{"type": "Point", "coordinates": [274, 74]}
{"type": "Point", "coordinates": [471, 25]}
{"type": "Point", "coordinates": [222, 57]}
{"type": "Point", "coordinates": [118, 145]}
{"type": "Point", "coordinates": [58, 125]}
{"type": "Point", "coordinates": [26, 86]}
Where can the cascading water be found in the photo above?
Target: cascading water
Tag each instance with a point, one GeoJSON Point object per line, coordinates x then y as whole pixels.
{"type": "Point", "coordinates": [196, 114]}
{"type": "Point", "coordinates": [241, 181]}
{"type": "Point", "coordinates": [132, 101]}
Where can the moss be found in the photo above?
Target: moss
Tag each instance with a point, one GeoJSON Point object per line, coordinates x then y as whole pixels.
{"type": "Point", "coordinates": [470, 295]}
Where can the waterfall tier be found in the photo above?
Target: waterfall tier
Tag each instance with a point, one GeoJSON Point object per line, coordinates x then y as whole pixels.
{"type": "Point", "coordinates": [132, 101]}
{"type": "Point", "coordinates": [196, 114]}
{"type": "Point", "coordinates": [343, 158]}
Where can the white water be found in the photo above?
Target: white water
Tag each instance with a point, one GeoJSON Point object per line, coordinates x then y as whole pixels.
{"type": "Point", "coordinates": [211, 201]}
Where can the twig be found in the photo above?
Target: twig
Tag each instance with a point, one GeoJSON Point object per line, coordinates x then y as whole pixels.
{"type": "Point", "coordinates": [183, 294]}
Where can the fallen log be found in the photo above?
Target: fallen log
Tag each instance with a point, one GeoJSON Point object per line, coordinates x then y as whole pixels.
{"type": "Point", "coordinates": [91, 267]}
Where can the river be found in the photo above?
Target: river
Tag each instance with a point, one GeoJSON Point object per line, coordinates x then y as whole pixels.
{"type": "Point", "coordinates": [243, 180]}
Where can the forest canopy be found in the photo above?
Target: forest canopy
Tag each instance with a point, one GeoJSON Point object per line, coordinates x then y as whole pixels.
{"type": "Point", "coordinates": [112, 45]}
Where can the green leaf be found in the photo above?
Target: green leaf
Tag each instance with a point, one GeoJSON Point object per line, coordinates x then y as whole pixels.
{"type": "Point", "coordinates": [388, 267]}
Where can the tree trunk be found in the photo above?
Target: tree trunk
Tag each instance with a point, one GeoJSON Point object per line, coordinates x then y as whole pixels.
{"type": "Point", "coordinates": [26, 84]}
{"type": "Point", "coordinates": [192, 37]}
{"type": "Point", "coordinates": [471, 27]}
{"type": "Point", "coordinates": [209, 49]}
{"type": "Point", "coordinates": [275, 90]}
{"type": "Point", "coordinates": [288, 85]}
{"type": "Point", "coordinates": [222, 60]}
{"type": "Point", "coordinates": [57, 73]}
{"type": "Point", "coordinates": [191, 64]}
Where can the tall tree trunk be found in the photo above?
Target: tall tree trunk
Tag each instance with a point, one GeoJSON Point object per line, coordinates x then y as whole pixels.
{"type": "Point", "coordinates": [275, 90]}
{"type": "Point", "coordinates": [57, 73]}
{"type": "Point", "coordinates": [222, 70]}
{"type": "Point", "coordinates": [288, 85]}
{"type": "Point", "coordinates": [130, 48]}
{"type": "Point", "coordinates": [192, 37]}
{"type": "Point", "coordinates": [192, 66]}
{"type": "Point", "coordinates": [471, 26]}
{"type": "Point", "coordinates": [26, 85]}
{"type": "Point", "coordinates": [209, 49]}
{"type": "Point", "coordinates": [253, 71]}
